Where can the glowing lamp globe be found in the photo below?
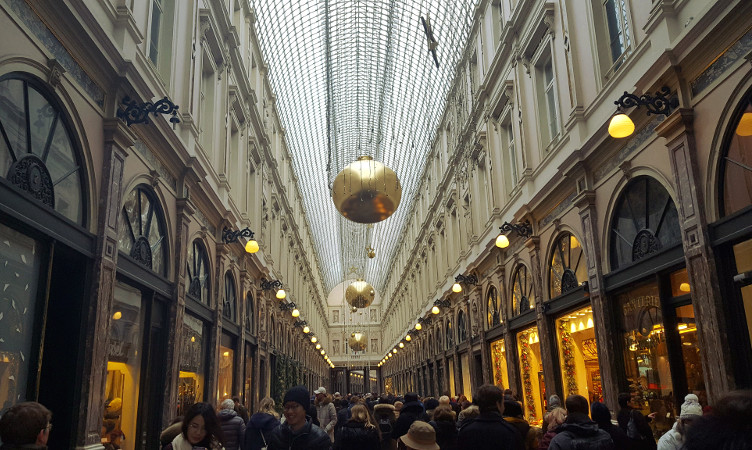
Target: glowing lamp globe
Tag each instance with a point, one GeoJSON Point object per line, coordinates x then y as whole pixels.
{"type": "Point", "coordinates": [745, 125]}
{"type": "Point", "coordinates": [306, 330]}
{"type": "Point", "coordinates": [358, 341]}
{"type": "Point", "coordinates": [251, 246]}
{"type": "Point", "coordinates": [418, 326]}
{"type": "Point", "coordinates": [366, 191]}
{"type": "Point", "coordinates": [318, 346]}
{"type": "Point", "coordinates": [314, 339]}
{"type": "Point", "coordinates": [360, 294]}
{"type": "Point", "coordinates": [281, 294]}
{"type": "Point", "coordinates": [621, 126]}
{"type": "Point", "coordinates": [401, 345]}
{"type": "Point", "coordinates": [408, 338]}
{"type": "Point", "coordinates": [502, 241]}
{"type": "Point", "coordinates": [295, 312]}
{"type": "Point", "coordinates": [435, 310]}
{"type": "Point", "coordinates": [456, 287]}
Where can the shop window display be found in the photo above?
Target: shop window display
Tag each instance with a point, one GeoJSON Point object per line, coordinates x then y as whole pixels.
{"type": "Point", "coordinates": [578, 355]}
{"type": "Point", "coordinates": [123, 369]}
{"type": "Point", "coordinates": [687, 328]}
{"type": "Point", "coordinates": [226, 368]}
{"type": "Point", "coordinates": [531, 368]}
{"type": "Point", "coordinates": [499, 364]}
{"type": "Point", "coordinates": [743, 259]}
{"type": "Point", "coordinates": [192, 362]}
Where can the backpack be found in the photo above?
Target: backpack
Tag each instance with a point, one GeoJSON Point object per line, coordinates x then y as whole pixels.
{"type": "Point", "coordinates": [632, 431]}
{"type": "Point", "coordinates": [385, 425]}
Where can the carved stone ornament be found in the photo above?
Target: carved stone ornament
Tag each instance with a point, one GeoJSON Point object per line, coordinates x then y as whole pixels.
{"type": "Point", "coordinates": [568, 281]}
{"type": "Point", "coordinates": [31, 175]}
{"type": "Point", "coordinates": [141, 252]}
{"type": "Point", "coordinates": [645, 243]}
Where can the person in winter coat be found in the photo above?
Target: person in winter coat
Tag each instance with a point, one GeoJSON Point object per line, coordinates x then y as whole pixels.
{"type": "Point", "coordinates": [298, 432]}
{"type": "Point", "coordinates": [553, 418]}
{"type": "Point", "coordinates": [690, 411]}
{"type": "Point", "coordinates": [630, 411]}
{"type": "Point", "coordinates": [553, 402]}
{"type": "Point", "coordinates": [420, 436]}
{"type": "Point", "coordinates": [233, 427]}
{"type": "Point", "coordinates": [383, 414]}
{"type": "Point", "coordinates": [260, 425]}
{"type": "Point", "coordinates": [489, 431]}
{"type": "Point", "coordinates": [602, 416]}
{"type": "Point", "coordinates": [343, 415]}
{"type": "Point", "coordinates": [325, 411]}
{"type": "Point", "coordinates": [446, 428]}
{"type": "Point", "coordinates": [513, 415]}
{"type": "Point", "coordinates": [360, 432]}
{"type": "Point", "coordinates": [25, 425]}
{"type": "Point", "coordinates": [578, 431]}
{"type": "Point", "coordinates": [411, 411]}
{"type": "Point", "coordinates": [727, 425]}
{"type": "Point", "coordinates": [201, 428]}
{"type": "Point", "coordinates": [169, 433]}
{"type": "Point", "coordinates": [471, 412]}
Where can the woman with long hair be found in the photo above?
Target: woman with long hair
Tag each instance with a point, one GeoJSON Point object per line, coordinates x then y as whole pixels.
{"type": "Point", "coordinates": [260, 425]}
{"type": "Point", "coordinates": [200, 429]}
{"type": "Point", "coordinates": [359, 432]}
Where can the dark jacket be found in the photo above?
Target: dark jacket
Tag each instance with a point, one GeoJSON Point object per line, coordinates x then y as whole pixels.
{"type": "Point", "coordinates": [411, 411]}
{"type": "Point", "coordinates": [309, 437]}
{"type": "Point", "coordinates": [22, 446]}
{"type": "Point", "coordinates": [169, 433]}
{"type": "Point", "coordinates": [578, 432]}
{"type": "Point", "coordinates": [260, 423]}
{"type": "Point", "coordinates": [619, 436]}
{"type": "Point", "coordinates": [446, 434]}
{"type": "Point", "coordinates": [489, 431]}
{"type": "Point", "coordinates": [648, 441]}
{"type": "Point", "coordinates": [521, 425]}
{"type": "Point", "coordinates": [343, 415]}
{"type": "Point", "coordinates": [354, 435]}
{"type": "Point", "coordinates": [385, 419]}
{"type": "Point", "coordinates": [545, 440]}
{"type": "Point", "coordinates": [233, 428]}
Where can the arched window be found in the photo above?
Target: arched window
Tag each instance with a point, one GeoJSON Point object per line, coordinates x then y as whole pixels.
{"type": "Point", "coordinates": [197, 271]}
{"type": "Point", "coordinates": [37, 153]}
{"type": "Point", "coordinates": [645, 221]}
{"type": "Point", "coordinates": [736, 177]}
{"type": "Point", "coordinates": [449, 335]}
{"type": "Point", "coordinates": [522, 290]}
{"type": "Point", "coordinates": [249, 311]}
{"type": "Point", "coordinates": [229, 308]}
{"type": "Point", "coordinates": [142, 230]}
{"type": "Point", "coordinates": [567, 268]}
{"type": "Point", "coordinates": [461, 328]}
{"type": "Point", "coordinates": [492, 307]}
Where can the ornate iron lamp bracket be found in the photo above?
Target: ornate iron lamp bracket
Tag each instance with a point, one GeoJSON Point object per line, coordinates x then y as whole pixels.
{"type": "Point", "coordinates": [469, 279]}
{"type": "Point", "coordinates": [267, 285]}
{"type": "Point", "coordinates": [135, 112]}
{"type": "Point", "coordinates": [523, 229]}
{"type": "Point", "coordinates": [660, 103]}
{"type": "Point", "coordinates": [229, 236]}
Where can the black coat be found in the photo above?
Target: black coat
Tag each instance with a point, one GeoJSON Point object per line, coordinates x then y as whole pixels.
{"type": "Point", "coordinates": [258, 424]}
{"type": "Point", "coordinates": [580, 433]}
{"type": "Point", "coordinates": [354, 435]}
{"type": "Point", "coordinates": [619, 436]}
{"type": "Point", "coordinates": [309, 437]}
{"type": "Point", "coordinates": [648, 441]}
{"type": "Point", "coordinates": [489, 431]}
{"type": "Point", "coordinates": [233, 428]}
{"type": "Point", "coordinates": [343, 415]}
{"type": "Point", "coordinates": [410, 412]}
{"type": "Point", "coordinates": [446, 434]}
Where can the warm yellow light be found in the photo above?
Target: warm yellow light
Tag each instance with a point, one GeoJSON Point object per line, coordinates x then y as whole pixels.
{"type": "Point", "coordinates": [418, 326]}
{"type": "Point", "coordinates": [252, 246]}
{"type": "Point", "coordinates": [633, 347]}
{"type": "Point", "coordinates": [193, 338]}
{"type": "Point", "coordinates": [226, 354]}
{"type": "Point", "coordinates": [322, 352]}
{"type": "Point", "coordinates": [621, 126]}
{"type": "Point", "coordinates": [281, 294]}
{"type": "Point", "coordinates": [394, 351]}
{"type": "Point", "coordinates": [117, 315]}
{"type": "Point", "coordinates": [573, 242]}
{"type": "Point", "coordinates": [318, 346]}
{"type": "Point", "coordinates": [314, 339]}
{"type": "Point", "coordinates": [408, 338]}
{"type": "Point", "coordinates": [582, 326]}
{"type": "Point", "coordinates": [401, 345]}
{"type": "Point", "coordinates": [295, 312]}
{"type": "Point", "coordinates": [306, 330]}
{"type": "Point", "coordinates": [456, 287]}
{"type": "Point", "coordinates": [530, 339]}
{"type": "Point", "coordinates": [573, 329]}
{"type": "Point", "coordinates": [358, 335]}
{"type": "Point", "coordinates": [684, 287]}
{"type": "Point", "coordinates": [502, 241]}
{"type": "Point", "coordinates": [590, 322]}
{"type": "Point", "coordinates": [682, 326]}
{"type": "Point", "coordinates": [745, 125]}
{"type": "Point", "coordinates": [435, 310]}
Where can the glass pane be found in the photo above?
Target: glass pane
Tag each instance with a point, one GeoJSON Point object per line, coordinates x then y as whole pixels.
{"type": "Point", "coordinates": [743, 259]}
{"type": "Point", "coordinates": [226, 369]}
{"type": "Point", "coordinates": [65, 174]}
{"type": "Point", "coordinates": [128, 225]}
{"type": "Point", "coordinates": [687, 327]}
{"type": "Point", "coordinates": [531, 364]}
{"type": "Point", "coordinates": [19, 275]}
{"type": "Point", "coordinates": [499, 364]}
{"type": "Point", "coordinates": [578, 355]}
{"type": "Point", "coordinates": [13, 115]}
{"type": "Point", "coordinates": [465, 370]}
{"type": "Point", "coordinates": [157, 242]}
{"type": "Point", "coordinates": [123, 368]}
{"type": "Point", "coordinates": [680, 283]}
{"type": "Point", "coordinates": [6, 159]}
{"type": "Point", "coordinates": [645, 350]}
{"type": "Point", "coordinates": [41, 117]}
{"type": "Point", "coordinates": [248, 375]}
{"type": "Point", "coordinates": [156, 22]}
{"type": "Point", "coordinates": [192, 370]}
{"type": "Point", "coordinates": [737, 180]}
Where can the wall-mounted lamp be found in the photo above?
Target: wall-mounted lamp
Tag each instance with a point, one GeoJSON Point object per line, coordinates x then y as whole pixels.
{"type": "Point", "coordinates": [229, 236]}
{"type": "Point", "coordinates": [421, 322]}
{"type": "Point", "coordinates": [289, 307]}
{"type": "Point", "coordinates": [440, 304]}
{"type": "Point", "coordinates": [276, 284]}
{"type": "Point", "coordinates": [408, 338]}
{"type": "Point", "coordinates": [459, 280]}
{"type": "Point", "coordinates": [302, 324]}
{"type": "Point", "coordinates": [314, 339]}
{"type": "Point", "coordinates": [621, 125]}
{"type": "Point", "coordinates": [135, 112]}
{"type": "Point", "coordinates": [523, 229]}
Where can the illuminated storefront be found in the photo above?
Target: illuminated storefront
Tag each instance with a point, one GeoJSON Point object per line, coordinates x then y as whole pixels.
{"type": "Point", "coordinates": [578, 354]}
{"type": "Point", "coordinates": [499, 364]}
{"type": "Point", "coordinates": [531, 368]}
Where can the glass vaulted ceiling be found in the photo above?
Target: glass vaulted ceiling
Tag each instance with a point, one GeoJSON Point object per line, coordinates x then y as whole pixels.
{"type": "Point", "coordinates": [355, 78]}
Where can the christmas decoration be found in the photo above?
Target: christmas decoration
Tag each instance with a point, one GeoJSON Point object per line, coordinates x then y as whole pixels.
{"type": "Point", "coordinates": [527, 384]}
{"type": "Point", "coordinates": [567, 353]}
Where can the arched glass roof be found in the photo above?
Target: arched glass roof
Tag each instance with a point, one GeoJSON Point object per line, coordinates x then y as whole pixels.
{"type": "Point", "coordinates": [355, 78]}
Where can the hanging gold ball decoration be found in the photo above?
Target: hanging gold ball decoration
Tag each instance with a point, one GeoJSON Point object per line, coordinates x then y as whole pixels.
{"type": "Point", "coordinates": [366, 191]}
{"type": "Point", "coordinates": [358, 341]}
{"type": "Point", "coordinates": [371, 252]}
{"type": "Point", "coordinates": [359, 294]}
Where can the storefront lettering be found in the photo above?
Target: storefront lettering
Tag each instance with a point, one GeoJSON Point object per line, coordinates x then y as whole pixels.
{"type": "Point", "coordinates": [638, 303]}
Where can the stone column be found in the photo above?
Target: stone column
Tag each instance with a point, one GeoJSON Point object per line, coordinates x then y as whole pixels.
{"type": "Point", "coordinates": [117, 138]}
{"type": "Point", "coordinates": [712, 331]}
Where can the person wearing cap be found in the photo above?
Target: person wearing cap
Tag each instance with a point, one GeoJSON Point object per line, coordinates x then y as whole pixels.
{"type": "Point", "coordinates": [489, 430]}
{"type": "Point", "coordinates": [298, 432]}
{"type": "Point", "coordinates": [325, 411]}
{"type": "Point", "coordinates": [690, 411]}
{"type": "Point", "coordinates": [420, 436]}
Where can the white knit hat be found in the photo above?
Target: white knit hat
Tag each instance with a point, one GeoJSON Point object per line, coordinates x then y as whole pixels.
{"type": "Point", "coordinates": [691, 407]}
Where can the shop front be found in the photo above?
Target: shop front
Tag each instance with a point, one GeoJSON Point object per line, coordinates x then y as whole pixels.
{"type": "Point", "coordinates": [499, 364]}
{"type": "Point", "coordinates": [530, 361]}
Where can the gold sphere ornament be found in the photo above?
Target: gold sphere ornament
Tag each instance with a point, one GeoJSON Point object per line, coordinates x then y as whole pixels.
{"type": "Point", "coordinates": [360, 294]}
{"type": "Point", "coordinates": [358, 341]}
{"type": "Point", "coordinates": [366, 191]}
{"type": "Point", "coordinates": [370, 252]}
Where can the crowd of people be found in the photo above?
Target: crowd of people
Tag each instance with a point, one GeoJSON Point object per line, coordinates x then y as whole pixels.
{"type": "Point", "coordinates": [494, 420]}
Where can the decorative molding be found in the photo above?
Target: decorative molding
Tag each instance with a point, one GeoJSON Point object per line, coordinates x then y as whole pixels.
{"type": "Point", "coordinates": [634, 143]}
{"type": "Point", "coordinates": [156, 164]}
{"type": "Point", "coordinates": [556, 212]}
{"type": "Point", "coordinates": [739, 50]}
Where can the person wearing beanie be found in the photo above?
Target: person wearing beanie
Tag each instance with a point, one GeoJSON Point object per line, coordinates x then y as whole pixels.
{"type": "Point", "coordinates": [553, 402]}
{"type": "Point", "coordinates": [690, 411]}
{"type": "Point", "coordinates": [298, 431]}
{"type": "Point", "coordinates": [233, 426]}
{"type": "Point", "coordinates": [420, 436]}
